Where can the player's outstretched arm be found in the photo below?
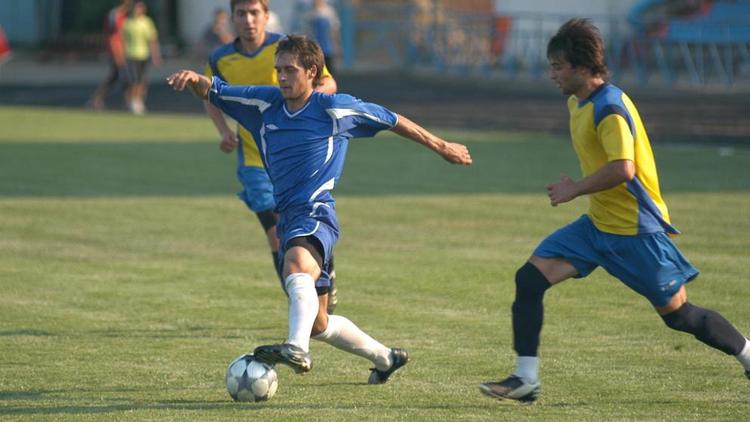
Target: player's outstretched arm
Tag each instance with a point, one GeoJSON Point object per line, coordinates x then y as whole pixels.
{"type": "Point", "coordinates": [196, 82]}
{"type": "Point", "coordinates": [451, 152]}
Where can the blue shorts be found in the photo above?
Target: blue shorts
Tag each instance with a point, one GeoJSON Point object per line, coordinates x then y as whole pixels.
{"type": "Point", "coordinates": [319, 222]}
{"type": "Point", "coordinates": [257, 192]}
{"type": "Point", "coordinates": [649, 263]}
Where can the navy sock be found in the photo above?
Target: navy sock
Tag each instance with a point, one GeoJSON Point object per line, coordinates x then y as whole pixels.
{"type": "Point", "coordinates": [707, 326]}
{"type": "Point", "coordinates": [528, 309]}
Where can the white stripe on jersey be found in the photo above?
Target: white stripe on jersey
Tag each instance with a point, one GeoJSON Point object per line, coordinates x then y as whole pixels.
{"type": "Point", "coordinates": [329, 154]}
{"type": "Point", "coordinates": [325, 186]}
{"type": "Point", "coordinates": [339, 113]}
{"type": "Point", "coordinates": [263, 141]}
{"type": "Point", "coordinates": [262, 105]}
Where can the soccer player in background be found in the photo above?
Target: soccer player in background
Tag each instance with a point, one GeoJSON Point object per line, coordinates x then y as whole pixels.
{"type": "Point", "coordinates": [248, 60]}
{"type": "Point", "coordinates": [303, 141]}
{"type": "Point", "coordinates": [141, 40]}
{"type": "Point", "coordinates": [116, 51]}
{"type": "Point", "coordinates": [626, 230]}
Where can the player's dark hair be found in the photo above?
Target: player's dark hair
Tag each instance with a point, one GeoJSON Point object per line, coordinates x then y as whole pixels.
{"type": "Point", "coordinates": [308, 53]}
{"type": "Point", "coordinates": [263, 4]}
{"type": "Point", "coordinates": [579, 42]}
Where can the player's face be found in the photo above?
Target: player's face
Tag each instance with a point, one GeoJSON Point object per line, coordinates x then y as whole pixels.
{"type": "Point", "coordinates": [567, 77]}
{"type": "Point", "coordinates": [249, 20]}
{"type": "Point", "coordinates": [295, 81]}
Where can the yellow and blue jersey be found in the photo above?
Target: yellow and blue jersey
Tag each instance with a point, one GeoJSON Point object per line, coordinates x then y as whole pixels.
{"type": "Point", "coordinates": [606, 127]}
{"type": "Point", "coordinates": [229, 63]}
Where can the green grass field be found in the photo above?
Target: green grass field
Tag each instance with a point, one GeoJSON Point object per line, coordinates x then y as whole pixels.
{"type": "Point", "coordinates": [131, 276]}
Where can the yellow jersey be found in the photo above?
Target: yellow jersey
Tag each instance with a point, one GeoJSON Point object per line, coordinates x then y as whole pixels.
{"type": "Point", "coordinates": [606, 127]}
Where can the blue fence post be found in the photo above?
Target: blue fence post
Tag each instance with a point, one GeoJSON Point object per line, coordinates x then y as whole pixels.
{"type": "Point", "coordinates": [348, 31]}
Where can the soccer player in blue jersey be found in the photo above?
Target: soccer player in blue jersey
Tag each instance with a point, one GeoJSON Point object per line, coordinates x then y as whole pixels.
{"type": "Point", "coordinates": [248, 60]}
{"type": "Point", "coordinates": [303, 138]}
{"type": "Point", "coordinates": [626, 230]}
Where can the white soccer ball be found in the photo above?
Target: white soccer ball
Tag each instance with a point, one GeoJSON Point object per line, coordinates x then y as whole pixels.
{"type": "Point", "coordinates": [251, 380]}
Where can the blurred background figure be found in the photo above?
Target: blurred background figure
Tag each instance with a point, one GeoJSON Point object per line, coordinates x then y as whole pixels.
{"type": "Point", "coordinates": [141, 45]}
{"type": "Point", "coordinates": [274, 23]}
{"type": "Point", "coordinates": [216, 34]}
{"type": "Point", "coordinates": [5, 51]}
{"type": "Point", "coordinates": [322, 24]}
{"type": "Point", "coordinates": [113, 23]}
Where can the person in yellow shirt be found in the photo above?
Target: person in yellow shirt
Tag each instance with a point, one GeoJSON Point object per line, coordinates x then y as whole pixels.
{"type": "Point", "coordinates": [627, 228]}
{"type": "Point", "coordinates": [141, 41]}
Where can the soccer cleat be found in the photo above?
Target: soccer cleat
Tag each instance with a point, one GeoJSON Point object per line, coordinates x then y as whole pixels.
{"type": "Point", "coordinates": [288, 354]}
{"type": "Point", "coordinates": [747, 374]}
{"type": "Point", "coordinates": [399, 358]}
{"type": "Point", "coordinates": [333, 298]}
{"type": "Point", "coordinates": [513, 388]}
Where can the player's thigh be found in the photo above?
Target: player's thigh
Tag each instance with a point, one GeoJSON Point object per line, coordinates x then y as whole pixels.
{"type": "Point", "coordinates": [301, 256]}
{"type": "Point", "coordinates": [568, 252]}
{"type": "Point", "coordinates": [649, 264]}
{"type": "Point", "coordinates": [555, 270]}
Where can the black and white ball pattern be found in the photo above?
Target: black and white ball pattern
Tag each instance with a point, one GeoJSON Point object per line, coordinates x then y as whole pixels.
{"type": "Point", "coordinates": [251, 380]}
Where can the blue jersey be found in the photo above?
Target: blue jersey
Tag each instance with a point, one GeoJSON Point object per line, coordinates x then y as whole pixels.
{"type": "Point", "coordinates": [303, 151]}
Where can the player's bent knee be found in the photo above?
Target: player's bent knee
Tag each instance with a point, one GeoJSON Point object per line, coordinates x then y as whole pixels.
{"type": "Point", "coordinates": [530, 283]}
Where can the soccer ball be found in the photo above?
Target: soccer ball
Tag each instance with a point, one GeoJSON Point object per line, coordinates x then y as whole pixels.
{"type": "Point", "coordinates": [249, 379]}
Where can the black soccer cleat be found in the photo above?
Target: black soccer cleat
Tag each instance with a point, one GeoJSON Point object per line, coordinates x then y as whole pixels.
{"type": "Point", "coordinates": [399, 358]}
{"type": "Point", "coordinates": [287, 354]}
{"type": "Point", "coordinates": [333, 296]}
{"type": "Point", "coordinates": [513, 388]}
{"type": "Point", "coordinates": [747, 374]}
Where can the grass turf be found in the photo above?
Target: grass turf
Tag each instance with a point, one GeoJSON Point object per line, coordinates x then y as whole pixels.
{"type": "Point", "coordinates": [131, 277]}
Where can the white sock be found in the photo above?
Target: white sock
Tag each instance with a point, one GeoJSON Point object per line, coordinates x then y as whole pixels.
{"type": "Point", "coordinates": [744, 356]}
{"type": "Point", "coordinates": [303, 308]}
{"type": "Point", "coordinates": [343, 334]}
{"type": "Point", "coordinates": [527, 368]}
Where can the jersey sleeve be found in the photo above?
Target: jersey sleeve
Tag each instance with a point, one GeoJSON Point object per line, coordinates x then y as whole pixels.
{"type": "Point", "coordinates": [244, 104]}
{"type": "Point", "coordinates": [616, 137]}
{"type": "Point", "coordinates": [325, 72]}
{"type": "Point", "coordinates": [359, 119]}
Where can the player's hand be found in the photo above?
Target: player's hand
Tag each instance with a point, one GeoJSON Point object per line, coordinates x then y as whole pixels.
{"type": "Point", "coordinates": [563, 191]}
{"type": "Point", "coordinates": [229, 142]}
{"type": "Point", "coordinates": [189, 79]}
{"type": "Point", "coordinates": [456, 153]}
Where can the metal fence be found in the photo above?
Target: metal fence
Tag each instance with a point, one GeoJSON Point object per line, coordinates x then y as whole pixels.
{"type": "Point", "coordinates": [514, 46]}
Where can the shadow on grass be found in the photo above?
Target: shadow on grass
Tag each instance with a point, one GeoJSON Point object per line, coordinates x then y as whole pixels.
{"type": "Point", "coordinates": [374, 167]}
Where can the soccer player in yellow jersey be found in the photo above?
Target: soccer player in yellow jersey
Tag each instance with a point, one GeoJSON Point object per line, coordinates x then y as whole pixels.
{"type": "Point", "coordinates": [249, 60]}
{"type": "Point", "coordinates": [626, 230]}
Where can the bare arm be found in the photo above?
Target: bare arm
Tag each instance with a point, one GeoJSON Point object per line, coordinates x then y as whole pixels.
{"type": "Point", "coordinates": [197, 83]}
{"type": "Point", "coordinates": [327, 85]}
{"type": "Point", "coordinates": [229, 140]}
{"type": "Point", "coordinates": [451, 152]}
{"type": "Point", "coordinates": [155, 52]}
{"type": "Point", "coordinates": [610, 175]}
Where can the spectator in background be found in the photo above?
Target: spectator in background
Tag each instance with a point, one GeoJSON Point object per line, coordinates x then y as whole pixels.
{"type": "Point", "coordinates": [216, 34]}
{"type": "Point", "coordinates": [322, 25]}
{"type": "Point", "coordinates": [115, 50]}
{"type": "Point", "coordinates": [141, 45]}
